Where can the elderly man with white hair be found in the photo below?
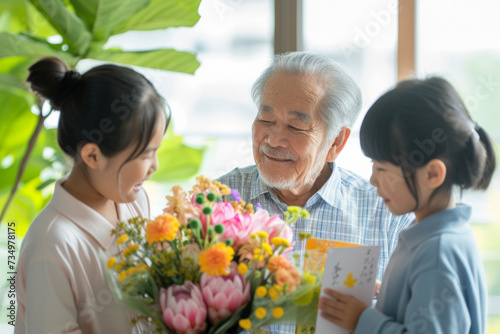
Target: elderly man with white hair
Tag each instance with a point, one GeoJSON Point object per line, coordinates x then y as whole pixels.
{"type": "Point", "coordinates": [307, 105]}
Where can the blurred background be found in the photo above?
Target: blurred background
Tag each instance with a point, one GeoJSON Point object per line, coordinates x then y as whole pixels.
{"type": "Point", "coordinates": [378, 41]}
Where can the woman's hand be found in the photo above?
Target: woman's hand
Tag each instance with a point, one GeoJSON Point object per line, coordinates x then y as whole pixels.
{"type": "Point", "coordinates": [344, 310]}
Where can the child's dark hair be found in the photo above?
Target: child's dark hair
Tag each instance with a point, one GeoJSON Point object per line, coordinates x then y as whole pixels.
{"type": "Point", "coordinates": [111, 106]}
{"type": "Point", "coordinates": [421, 120]}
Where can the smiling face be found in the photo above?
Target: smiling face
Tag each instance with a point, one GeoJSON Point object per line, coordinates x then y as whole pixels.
{"type": "Point", "coordinates": [288, 133]}
{"type": "Point", "coordinates": [391, 186]}
{"type": "Point", "coordinates": [121, 181]}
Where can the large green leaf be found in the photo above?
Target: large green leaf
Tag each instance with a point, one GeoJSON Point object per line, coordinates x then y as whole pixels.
{"type": "Point", "coordinates": [176, 160]}
{"type": "Point", "coordinates": [70, 26]}
{"type": "Point", "coordinates": [102, 16]}
{"type": "Point", "coordinates": [17, 45]}
{"type": "Point", "coordinates": [166, 59]}
{"type": "Point", "coordinates": [17, 122]}
{"type": "Point", "coordinates": [29, 200]}
{"type": "Point", "coordinates": [162, 14]}
{"type": "Point", "coordinates": [41, 40]}
{"type": "Point", "coordinates": [12, 16]}
{"type": "Point", "coordinates": [20, 15]}
{"type": "Point", "coordinates": [15, 133]}
{"type": "Point", "coordinates": [37, 162]}
{"type": "Point", "coordinates": [25, 206]}
{"type": "Point", "coordinates": [16, 67]}
{"type": "Point", "coordinates": [12, 84]}
{"type": "Point", "coordinates": [37, 23]}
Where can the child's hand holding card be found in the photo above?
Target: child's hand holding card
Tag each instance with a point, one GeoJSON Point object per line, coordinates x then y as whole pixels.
{"type": "Point", "coordinates": [352, 272]}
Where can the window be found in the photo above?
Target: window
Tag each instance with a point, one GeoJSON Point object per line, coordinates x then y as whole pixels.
{"type": "Point", "coordinates": [362, 36]}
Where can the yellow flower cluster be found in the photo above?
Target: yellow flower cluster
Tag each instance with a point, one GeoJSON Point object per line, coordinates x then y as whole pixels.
{"type": "Point", "coordinates": [261, 313]}
{"type": "Point", "coordinates": [111, 262]}
{"type": "Point", "coordinates": [263, 234]}
{"type": "Point", "coordinates": [278, 241]}
{"type": "Point", "coordinates": [278, 312]}
{"type": "Point", "coordinates": [132, 271]}
{"type": "Point", "coordinates": [261, 291]}
{"type": "Point", "coordinates": [275, 292]}
{"type": "Point", "coordinates": [294, 213]}
{"type": "Point", "coordinates": [308, 278]}
{"type": "Point", "coordinates": [261, 239]}
{"type": "Point", "coordinates": [129, 250]}
{"type": "Point", "coordinates": [258, 254]}
{"type": "Point", "coordinates": [122, 239]}
{"type": "Point", "coordinates": [246, 324]}
{"type": "Point", "coordinates": [304, 235]}
{"type": "Point", "coordinates": [267, 248]}
{"type": "Point", "coordinates": [297, 210]}
{"type": "Point", "coordinates": [242, 268]}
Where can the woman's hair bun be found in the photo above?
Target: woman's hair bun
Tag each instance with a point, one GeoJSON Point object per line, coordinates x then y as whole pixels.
{"type": "Point", "coordinates": [51, 78]}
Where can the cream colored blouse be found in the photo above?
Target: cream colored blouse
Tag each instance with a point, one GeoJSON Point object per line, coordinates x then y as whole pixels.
{"type": "Point", "coordinates": [61, 283]}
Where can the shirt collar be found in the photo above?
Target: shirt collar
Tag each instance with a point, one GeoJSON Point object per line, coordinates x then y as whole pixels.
{"type": "Point", "coordinates": [437, 223]}
{"type": "Point", "coordinates": [258, 187]}
{"type": "Point", "coordinates": [82, 215]}
{"type": "Point", "coordinates": [330, 192]}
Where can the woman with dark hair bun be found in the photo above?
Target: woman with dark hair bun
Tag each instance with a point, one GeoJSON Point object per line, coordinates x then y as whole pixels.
{"type": "Point", "coordinates": [424, 143]}
{"type": "Point", "coordinates": [112, 122]}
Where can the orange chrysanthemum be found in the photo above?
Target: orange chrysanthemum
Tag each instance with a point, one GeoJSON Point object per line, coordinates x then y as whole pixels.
{"type": "Point", "coordinates": [290, 277]}
{"type": "Point", "coordinates": [277, 262]}
{"type": "Point", "coordinates": [163, 228]}
{"type": "Point", "coordinates": [216, 259]}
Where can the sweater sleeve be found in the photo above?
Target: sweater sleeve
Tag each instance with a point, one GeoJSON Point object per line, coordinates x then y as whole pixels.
{"type": "Point", "coordinates": [437, 305]}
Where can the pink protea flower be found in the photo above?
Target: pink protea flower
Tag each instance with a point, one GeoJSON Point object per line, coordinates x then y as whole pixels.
{"type": "Point", "coordinates": [237, 226]}
{"type": "Point", "coordinates": [222, 212]}
{"type": "Point", "coordinates": [183, 308]}
{"type": "Point", "coordinates": [240, 228]}
{"type": "Point", "coordinates": [224, 295]}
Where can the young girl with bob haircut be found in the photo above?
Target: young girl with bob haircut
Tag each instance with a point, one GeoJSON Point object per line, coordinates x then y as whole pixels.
{"type": "Point", "coordinates": [112, 121]}
{"type": "Point", "coordinates": [424, 144]}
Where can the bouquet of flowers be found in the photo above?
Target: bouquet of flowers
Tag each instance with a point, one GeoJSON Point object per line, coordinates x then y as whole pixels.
{"type": "Point", "coordinates": [210, 265]}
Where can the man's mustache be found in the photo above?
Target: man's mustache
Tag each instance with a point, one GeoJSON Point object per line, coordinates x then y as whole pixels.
{"type": "Point", "coordinates": [275, 152]}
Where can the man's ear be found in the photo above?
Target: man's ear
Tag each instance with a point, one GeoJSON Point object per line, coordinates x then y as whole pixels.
{"type": "Point", "coordinates": [338, 144]}
{"type": "Point", "coordinates": [434, 173]}
{"type": "Point", "coordinates": [92, 156]}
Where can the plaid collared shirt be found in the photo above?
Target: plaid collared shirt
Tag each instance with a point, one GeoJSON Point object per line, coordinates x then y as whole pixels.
{"type": "Point", "coordinates": [347, 208]}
